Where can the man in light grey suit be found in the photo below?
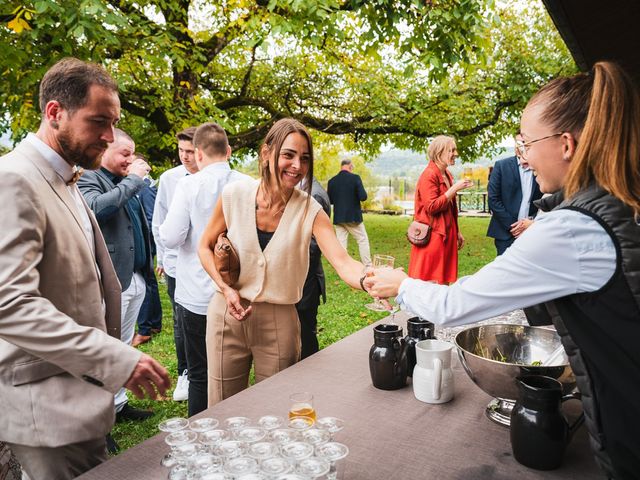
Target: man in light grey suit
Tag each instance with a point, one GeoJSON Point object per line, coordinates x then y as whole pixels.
{"type": "Point", "coordinates": [61, 359]}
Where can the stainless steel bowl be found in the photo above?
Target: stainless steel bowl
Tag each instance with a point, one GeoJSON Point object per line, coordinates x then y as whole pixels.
{"type": "Point", "coordinates": [494, 355]}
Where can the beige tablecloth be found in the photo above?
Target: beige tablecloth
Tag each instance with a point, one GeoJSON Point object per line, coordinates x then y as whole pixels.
{"type": "Point", "coordinates": [390, 434]}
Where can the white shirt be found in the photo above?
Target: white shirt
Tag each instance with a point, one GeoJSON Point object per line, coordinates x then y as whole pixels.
{"type": "Point", "coordinates": [65, 172]}
{"type": "Point", "coordinates": [166, 257]}
{"type": "Point", "coordinates": [526, 184]}
{"type": "Point", "coordinates": [193, 202]}
{"type": "Point", "coordinates": [563, 253]}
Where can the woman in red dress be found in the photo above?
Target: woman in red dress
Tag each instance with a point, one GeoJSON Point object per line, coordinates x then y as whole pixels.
{"type": "Point", "coordinates": [435, 204]}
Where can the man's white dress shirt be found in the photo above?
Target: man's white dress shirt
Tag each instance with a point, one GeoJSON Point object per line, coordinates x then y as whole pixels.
{"type": "Point", "coordinates": [191, 208]}
{"type": "Point", "coordinates": [166, 257]}
{"type": "Point", "coordinates": [526, 184]}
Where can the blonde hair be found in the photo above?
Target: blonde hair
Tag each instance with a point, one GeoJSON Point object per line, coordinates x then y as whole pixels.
{"type": "Point", "coordinates": [439, 146]}
{"type": "Point", "coordinates": [601, 109]}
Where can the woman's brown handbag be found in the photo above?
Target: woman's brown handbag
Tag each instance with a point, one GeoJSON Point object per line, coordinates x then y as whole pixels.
{"type": "Point", "coordinates": [419, 233]}
{"type": "Point", "coordinates": [226, 260]}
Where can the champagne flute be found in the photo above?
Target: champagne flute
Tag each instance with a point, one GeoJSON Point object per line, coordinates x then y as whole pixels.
{"type": "Point", "coordinates": [379, 261]}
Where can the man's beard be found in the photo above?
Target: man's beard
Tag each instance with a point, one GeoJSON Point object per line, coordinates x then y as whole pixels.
{"type": "Point", "coordinates": [72, 153]}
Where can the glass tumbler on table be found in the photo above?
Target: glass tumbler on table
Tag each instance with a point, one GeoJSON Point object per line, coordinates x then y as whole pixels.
{"type": "Point", "coordinates": [301, 405]}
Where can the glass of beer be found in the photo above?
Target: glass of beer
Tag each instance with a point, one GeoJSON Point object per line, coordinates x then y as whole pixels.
{"type": "Point", "coordinates": [301, 405]}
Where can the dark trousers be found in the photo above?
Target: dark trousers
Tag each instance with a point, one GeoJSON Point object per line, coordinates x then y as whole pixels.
{"type": "Point", "coordinates": [194, 327]}
{"type": "Point", "coordinates": [308, 324]}
{"type": "Point", "coordinates": [150, 316]}
{"type": "Point", "coordinates": [502, 245]}
{"type": "Point", "coordinates": [178, 335]}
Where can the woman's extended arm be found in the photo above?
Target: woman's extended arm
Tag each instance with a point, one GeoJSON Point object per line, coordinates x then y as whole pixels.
{"type": "Point", "coordinates": [350, 270]}
{"type": "Point", "coordinates": [215, 227]}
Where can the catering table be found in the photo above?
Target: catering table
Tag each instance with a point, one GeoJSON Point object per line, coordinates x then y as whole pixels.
{"type": "Point", "coordinates": [390, 434]}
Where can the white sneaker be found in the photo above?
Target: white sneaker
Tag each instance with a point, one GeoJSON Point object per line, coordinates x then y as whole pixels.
{"type": "Point", "coordinates": [181, 392]}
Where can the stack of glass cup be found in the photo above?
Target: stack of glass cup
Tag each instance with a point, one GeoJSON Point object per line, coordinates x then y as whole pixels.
{"type": "Point", "coordinates": [271, 448]}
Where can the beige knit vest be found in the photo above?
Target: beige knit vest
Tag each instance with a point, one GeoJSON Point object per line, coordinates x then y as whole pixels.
{"type": "Point", "coordinates": [276, 275]}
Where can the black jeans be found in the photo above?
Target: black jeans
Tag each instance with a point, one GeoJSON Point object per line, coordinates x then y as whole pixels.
{"type": "Point", "coordinates": [178, 335]}
{"type": "Point", "coordinates": [308, 322]}
{"type": "Point", "coordinates": [150, 316]}
{"type": "Point", "coordinates": [195, 331]}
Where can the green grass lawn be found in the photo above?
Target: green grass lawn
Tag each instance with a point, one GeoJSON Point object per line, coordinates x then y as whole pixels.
{"type": "Point", "coordinates": [343, 314]}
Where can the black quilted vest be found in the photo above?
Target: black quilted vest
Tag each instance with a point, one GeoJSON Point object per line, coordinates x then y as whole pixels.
{"type": "Point", "coordinates": [601, 333]}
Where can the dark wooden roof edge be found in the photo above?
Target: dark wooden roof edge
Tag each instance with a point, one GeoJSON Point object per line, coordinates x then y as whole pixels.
{"type": "Point", "coordinates": [560, 18]}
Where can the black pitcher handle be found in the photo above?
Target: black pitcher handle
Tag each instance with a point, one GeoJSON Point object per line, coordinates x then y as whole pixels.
{"type": "Point", "coordinates": [580, 420]}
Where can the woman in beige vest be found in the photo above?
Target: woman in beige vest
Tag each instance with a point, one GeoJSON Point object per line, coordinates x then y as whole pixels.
{"type": "Point", "coordinates": [270, 223]}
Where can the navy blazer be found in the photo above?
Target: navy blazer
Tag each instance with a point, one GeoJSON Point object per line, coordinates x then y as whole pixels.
{"type": "Point", "coordinates": [505, 197]}
{"type": "Point", "coordinates": [345, 193]}
{"type": "Point", "coordinates": [108, 202]}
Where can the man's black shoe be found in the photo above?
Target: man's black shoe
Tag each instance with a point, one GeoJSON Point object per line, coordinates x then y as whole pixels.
{"type": "Point", "coordinates": [112, 446]}
{"type": "Point", "coordinates": [130, 413]}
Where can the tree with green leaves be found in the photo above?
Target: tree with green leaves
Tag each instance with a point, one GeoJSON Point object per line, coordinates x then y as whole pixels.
{"type": "Point", "coordinates": [369, 71]}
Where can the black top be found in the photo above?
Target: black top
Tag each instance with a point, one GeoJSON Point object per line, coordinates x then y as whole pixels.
{"type": "Point", "coordinates": [264, 238]}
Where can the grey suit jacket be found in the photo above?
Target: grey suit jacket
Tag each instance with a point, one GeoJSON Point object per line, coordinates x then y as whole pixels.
{"type": "Point", "coordinates": [59, 368]}
{"type": "Point", "coordinates": [108, 202]}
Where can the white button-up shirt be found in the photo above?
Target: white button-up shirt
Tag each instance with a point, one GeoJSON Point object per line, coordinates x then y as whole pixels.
{"type": "Point", "coordinates": [166, 257]}
{"type": "Point", "coordinates": [563, 253]}
{"type": "Point", "coordinates": [526, 184]}
{"type": "Point", "coordinates": [191, 208]}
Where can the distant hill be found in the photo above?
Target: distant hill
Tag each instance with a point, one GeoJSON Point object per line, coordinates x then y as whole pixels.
{"type": "Point", "coordinates": [409, 164]}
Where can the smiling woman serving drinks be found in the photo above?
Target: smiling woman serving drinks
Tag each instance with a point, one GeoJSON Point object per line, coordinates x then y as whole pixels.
{"type": "Point", "coordinates": [269, 222]}
{"type": "Point", "coordinates": [581, 136]}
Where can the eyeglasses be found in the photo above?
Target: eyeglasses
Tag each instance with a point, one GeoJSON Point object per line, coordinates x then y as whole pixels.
{"type": "Point", "coordinates": [523, 147]}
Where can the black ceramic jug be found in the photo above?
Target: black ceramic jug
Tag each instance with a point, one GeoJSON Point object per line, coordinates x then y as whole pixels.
{"type": "Point", "coordinates": [388, 358]}
{"type": "Point", "coordinates": [539, 431]}
{"type": "Point", "coordinates": [417, 329]}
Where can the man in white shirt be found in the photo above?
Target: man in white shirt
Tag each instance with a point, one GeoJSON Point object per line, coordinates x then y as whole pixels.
{"type": "Point", "coordinates": [511, 191]}
{"type": "Point", "coordinates": [166, 257]}
{"type": "Point", "coordinates": [193, 202]}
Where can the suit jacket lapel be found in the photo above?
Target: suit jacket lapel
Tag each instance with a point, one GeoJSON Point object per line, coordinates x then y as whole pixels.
{"type": "Point", "coordinates": [53, 179]}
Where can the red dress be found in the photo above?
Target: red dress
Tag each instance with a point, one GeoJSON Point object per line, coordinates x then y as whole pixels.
{"type": "Point", "coordinates": [438, 260]}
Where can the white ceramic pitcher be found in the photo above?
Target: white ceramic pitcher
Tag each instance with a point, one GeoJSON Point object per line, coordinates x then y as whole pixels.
{"type": "Point", "coordinates": [432, 375]}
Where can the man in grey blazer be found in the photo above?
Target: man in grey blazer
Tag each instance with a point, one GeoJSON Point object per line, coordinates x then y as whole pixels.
{"type": "Point", "coordinates": [61, 359]}
{"type": "Point", "coordinates": [111, 193]}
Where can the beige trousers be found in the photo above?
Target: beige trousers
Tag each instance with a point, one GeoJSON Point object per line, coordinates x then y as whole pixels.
{"type": "Point", "coordinates": [360, 234]}
{"type": "Point", "coordinates": [270, 337]}
{"type": "Point", "coordinates": [60, 463]}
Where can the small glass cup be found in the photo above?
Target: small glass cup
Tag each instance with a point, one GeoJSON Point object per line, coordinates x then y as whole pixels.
{"type": "Point", "coordinates": [300, 424]}
{"type": "Point", "coordinates": [204, 463]}
{"type": "Point", "coordinates": [331, 424]}
{"type": "Point", "coordinates": [283, 435]}
{"type": "Point", "coordinates": [181, 437]}
{"type": "Point", "coordinates": [275, 466]}
{"type": "Point", "coordinates": [174, 424]}
{"type": "Point", "coordinates": [262, 450]}
{"type": "Point", "coordinates": [313, 467]}
{"type": "Point", "coordinates": [301, 405]}
{"type": "Point", "coordinates": [203, 424]}
{"type": "Point", "coordinates": [316, 436]}
{"type": "Point", "coordinates": [241, 466]}
{"type": "Point", "coordinates": [271, 422]}
{"type": "Point", "coordinates": [236, 423]}
{"type": "Point", "coordinates": [332, 452]}
{"type": "Point", "coordinates": [229, 449]}
{"type": "Point", "coordinates": [296, 450]}
{"type": "Point", "coordinates": [250, 434]}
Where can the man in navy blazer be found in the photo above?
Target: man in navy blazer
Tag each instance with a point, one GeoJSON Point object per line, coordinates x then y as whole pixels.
{"type": "Point", "coordinates": [345, 193]}
{"type": "Point", "coordinates": [512, 190]}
